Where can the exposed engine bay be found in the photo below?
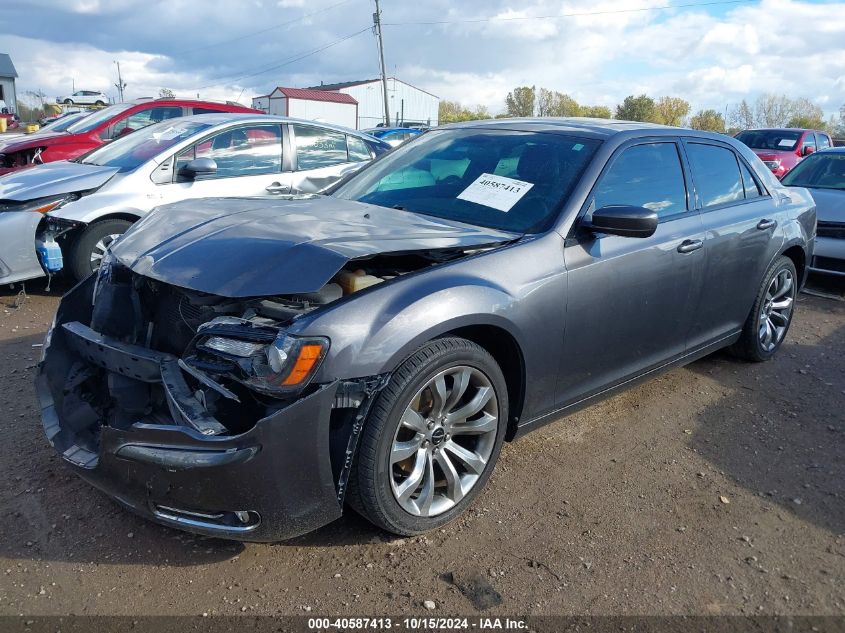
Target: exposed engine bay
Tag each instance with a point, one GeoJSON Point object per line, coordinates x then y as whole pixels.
{"type": "Point", "coordinates": [231, 356]}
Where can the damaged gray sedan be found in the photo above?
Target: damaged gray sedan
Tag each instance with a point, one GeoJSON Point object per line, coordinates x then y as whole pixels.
{"type": "Point", "coordinates": [245, 368]}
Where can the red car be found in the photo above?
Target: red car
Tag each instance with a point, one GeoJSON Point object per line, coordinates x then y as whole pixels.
{"type": "Point", "coordinates": [782, 149]}
{"type": "Point", "coordinates": [101, 127]}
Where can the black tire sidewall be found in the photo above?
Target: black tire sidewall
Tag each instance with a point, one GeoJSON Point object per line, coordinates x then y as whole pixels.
{"type": "Point", "coordinates": [782, 263]}
{"type": "Point", "coordinates": [79, 260]}
{"type": "Point", "coordinates": [384, 428]}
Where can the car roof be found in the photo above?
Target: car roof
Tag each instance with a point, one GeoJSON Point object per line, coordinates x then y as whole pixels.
{"type": "Point", "coordinates": [226, 118]}
{"type": "Point", "coordinates": [592, 128]}
{"type": "Point", "coordinates": [782, 129]}
{"type": "Point", "coordinates": [831, 150]}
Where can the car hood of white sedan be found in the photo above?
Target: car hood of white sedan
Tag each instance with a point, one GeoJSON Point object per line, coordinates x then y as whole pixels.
{"type": "Point", "coordinates": [53, 179]}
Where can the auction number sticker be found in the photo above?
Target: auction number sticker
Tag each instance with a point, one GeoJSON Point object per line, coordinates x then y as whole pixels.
{"type": "Point", "coordinates": [497, 192]}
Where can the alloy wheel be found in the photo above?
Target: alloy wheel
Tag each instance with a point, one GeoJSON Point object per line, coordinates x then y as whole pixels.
{"type": "Point", "coordinates": [776, 311]}
{"type": "Point", "coordinates": [100, 248]}
{"type": "Point", "coordinates": [444, 441]}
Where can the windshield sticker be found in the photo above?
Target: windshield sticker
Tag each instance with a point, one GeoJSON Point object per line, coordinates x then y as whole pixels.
{"type": "Point", "coordinates": [497, 192]}
{"type": "Point", "coordinates": [167, 135]}
{"type": "Point", "coordinates": [786, 142]}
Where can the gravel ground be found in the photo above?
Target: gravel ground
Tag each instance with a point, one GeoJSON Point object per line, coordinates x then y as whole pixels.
{"type": "Point", "coordinates": [715, 489]}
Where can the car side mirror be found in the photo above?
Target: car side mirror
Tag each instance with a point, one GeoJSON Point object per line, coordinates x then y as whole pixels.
{"type": "Point", "coordinates": [808, 149]}
{"type": "Point", "coordinates": [624, 220]}
{"type": "Point", "coordinates": [198, 167]}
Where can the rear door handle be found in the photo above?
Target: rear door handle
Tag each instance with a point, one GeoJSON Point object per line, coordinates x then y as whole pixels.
{"type": "Point", "coordinates": [276, 188]}
{"type": "Point", "coordinates": [766, 224]}
{"type": "Point", "coordinates": [688, 246]}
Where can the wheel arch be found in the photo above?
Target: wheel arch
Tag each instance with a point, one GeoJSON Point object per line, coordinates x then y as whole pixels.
{"type": "Point", "coordinates": [507, 353]}
{"type": "Point", "coordinates": [796, 253]}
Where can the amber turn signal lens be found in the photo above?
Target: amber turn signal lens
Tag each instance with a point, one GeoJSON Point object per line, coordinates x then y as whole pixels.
{"type": "Point", "coordinates": [309, 354]}
{"type": "Point", "coordinates": [48, 207]}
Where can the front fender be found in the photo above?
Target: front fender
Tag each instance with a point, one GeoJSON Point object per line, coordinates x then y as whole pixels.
{"type": "Point", "coordinates": [99, 205]}
{"type": "Point", "coordinates": [520, 289]}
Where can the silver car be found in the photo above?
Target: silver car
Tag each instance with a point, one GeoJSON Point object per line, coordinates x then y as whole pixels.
{"type": "Point", "coordinates": [823, 173]}
{"type": "Point", "coordinates": [65, 214]}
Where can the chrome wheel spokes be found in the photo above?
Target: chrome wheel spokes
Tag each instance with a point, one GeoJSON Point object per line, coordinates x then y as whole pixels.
{"type": "Point", "coordinates": [444, 441]}
{"type": "Point", "coordinates": [100, 249]}
{"type": "Point", "coordinates": [776, 311]}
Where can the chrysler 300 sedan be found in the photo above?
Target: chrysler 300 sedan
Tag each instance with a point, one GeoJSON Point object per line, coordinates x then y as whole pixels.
{"type": "Point", "coordinates": [245, 368]}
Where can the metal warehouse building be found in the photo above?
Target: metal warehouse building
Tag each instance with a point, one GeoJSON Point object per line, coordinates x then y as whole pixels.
{"type": "Point", "coordinates": [8, 74]}
{"type": "Point", "coordinates": [314, 105]}
{"type": "Point", "coordinates": [408, 104]}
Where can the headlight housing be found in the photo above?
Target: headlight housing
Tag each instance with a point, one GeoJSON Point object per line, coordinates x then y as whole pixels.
{"type": "Point", "coordinates": [272, 363]}
{"type": "Point", "coordinates": [43, 205]}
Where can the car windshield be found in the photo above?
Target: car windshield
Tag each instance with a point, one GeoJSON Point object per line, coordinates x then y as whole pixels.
{"type": "Point", "coordinates": [818, 171]}
{"type": "Point", "coordinates": [90, 122]}
{"type": "Point", "coordinates": [502, 179]}
{"type": "Point", "coordinates": [133, 150]}
{"type": "Point", "coordinates": [775, 140]}
{"type": "Point", "coordinates": [63, 123]}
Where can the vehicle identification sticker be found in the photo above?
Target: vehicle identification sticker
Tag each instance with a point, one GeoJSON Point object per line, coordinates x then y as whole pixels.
{"type": "Point", "coordinates": [497, 192]}
{"type": "Point", "coordinates": [786, 142]}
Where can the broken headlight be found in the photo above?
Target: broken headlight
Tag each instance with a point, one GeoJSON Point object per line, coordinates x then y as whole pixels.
{"type": "Point", "coordinates": [287, 364]}
{"type": "Point", "coordinates": [275, 365]}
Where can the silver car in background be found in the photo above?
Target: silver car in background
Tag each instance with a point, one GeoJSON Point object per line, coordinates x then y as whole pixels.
{"type": "Point", "coordinates": [823, 173]}
{"type": "Point", "coordinates": [63, 215]}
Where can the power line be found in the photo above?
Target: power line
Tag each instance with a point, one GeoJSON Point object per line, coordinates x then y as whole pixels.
{"type": "Point", "coordinates": [262, 31]}
{"type": "Point", "coordinates": [286, 62]}
{"type": "Point", "coordinates": [567, 15]}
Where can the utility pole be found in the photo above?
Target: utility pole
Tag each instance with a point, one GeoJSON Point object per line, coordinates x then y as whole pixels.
{"type": "Point", "coordinates": [377, 25]}
{"type": "Point", "coordinates": [119, 85]}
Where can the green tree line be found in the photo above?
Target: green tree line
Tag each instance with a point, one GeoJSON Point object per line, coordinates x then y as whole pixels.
{"type": "Point", "coordinates": [768, 110]}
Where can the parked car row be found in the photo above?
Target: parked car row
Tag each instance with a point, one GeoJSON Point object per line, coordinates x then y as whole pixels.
{"type": "Point", "coordinates": [65, 214]}
{"type": "Point", "coordinates": [246, 367]}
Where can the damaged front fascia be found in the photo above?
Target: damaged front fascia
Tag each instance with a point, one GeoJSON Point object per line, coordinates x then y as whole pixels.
{"type": "Point", "coordinates": [360, 394]}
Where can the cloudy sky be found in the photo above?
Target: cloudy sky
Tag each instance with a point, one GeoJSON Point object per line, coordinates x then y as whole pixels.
{"type": "Point", "coordinates": [711, 53]}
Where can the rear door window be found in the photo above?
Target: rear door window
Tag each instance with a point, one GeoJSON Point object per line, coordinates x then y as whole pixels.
{"type": "Point", "coordinates": [318, 147]}
{"type": "Point", "coordinates": [648, 175]}
{"type": "Point", "coordinates": [823, 140]}
{"type": "Point", "coordinates": [715, 171]}
{"type": "Point", "coordinates": [752, 189]}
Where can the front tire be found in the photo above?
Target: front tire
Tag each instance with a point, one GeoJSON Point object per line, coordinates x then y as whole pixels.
{"type": "Point", "coordinates": [90, 246]}
{"type": "Point", "coordinates": [432, 438]}
{"type": "Point", "coordinates": [770, 317]}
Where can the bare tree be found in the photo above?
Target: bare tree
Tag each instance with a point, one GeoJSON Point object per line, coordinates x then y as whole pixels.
{"type": "Point", "coordinates": [771, 110]}
{"type": "Point", "coordinates": [741, 116]}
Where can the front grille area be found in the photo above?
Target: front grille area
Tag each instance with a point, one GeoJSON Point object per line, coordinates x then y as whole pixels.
{"type": "Point", "coordinates": [831, 229]}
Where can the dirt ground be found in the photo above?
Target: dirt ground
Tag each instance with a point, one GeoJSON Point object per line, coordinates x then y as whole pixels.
{"type": "Point", "coordinates": [715, 489]}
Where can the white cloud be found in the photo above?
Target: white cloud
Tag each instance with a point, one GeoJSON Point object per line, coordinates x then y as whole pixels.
{"type": "Point", "coordinates": [711, 56]}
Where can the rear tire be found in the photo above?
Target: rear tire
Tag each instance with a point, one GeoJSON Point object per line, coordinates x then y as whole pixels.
{"type": "Point", "coordinates": [424, 413]}
{"type": "Point", "coordinates": [99, 104]}
{"type": "Point", "coordinates": [68, 101]}
{"type": "Point", "coordinates": [89, 246]}
{"type": "Point", "coordinates": [768, 323]}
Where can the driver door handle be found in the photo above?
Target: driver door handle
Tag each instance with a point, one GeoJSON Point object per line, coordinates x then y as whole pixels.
{"type": "Point", "coordinates": [277, 187]}
{"type": "Point", "coordinates": [688, 246]}
{"type": "Point", "coordinates": [766, 224]}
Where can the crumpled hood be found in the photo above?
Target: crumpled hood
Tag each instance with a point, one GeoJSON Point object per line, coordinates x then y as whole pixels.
{"type": "Point", "coordinates": [830, 204]}
{"type": "Point", "coordinates": [247, 247]}
{"type": "Point", "coordinates": [53, 179]}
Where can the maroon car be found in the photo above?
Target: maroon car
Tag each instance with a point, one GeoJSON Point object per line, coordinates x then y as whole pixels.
{"type": "Point", "coordinates": [102, 127]}
{"type": "Point", "coordinates": [783, 148]}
